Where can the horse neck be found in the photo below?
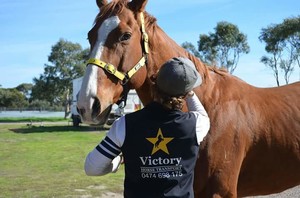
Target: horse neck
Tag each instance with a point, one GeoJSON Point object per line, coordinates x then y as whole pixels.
{"type": "Point", "coordinates": [217, 85]}
{"type": "Point", "coordinates": [162, 48]}
{"type": "Point", "coordinates": [215, 82]}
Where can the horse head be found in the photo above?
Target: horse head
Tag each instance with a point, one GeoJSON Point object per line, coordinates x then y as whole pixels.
{"type": "Point", "coordinates": [117, 58]}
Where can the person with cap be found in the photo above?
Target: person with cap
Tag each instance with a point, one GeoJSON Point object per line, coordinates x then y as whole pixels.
{"type": "Point", "coordinates": [160, 142]}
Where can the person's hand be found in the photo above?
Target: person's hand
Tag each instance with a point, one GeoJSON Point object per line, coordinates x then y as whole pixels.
{"type": "Point", "coordinates": [116, 163]}
{"type": "Point", "coordinates": [122, 158]}
{"type": "Point", "coordinates": [190, 94]}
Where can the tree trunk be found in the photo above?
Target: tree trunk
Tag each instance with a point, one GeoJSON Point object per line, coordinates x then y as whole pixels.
{"type": "Point", "coordinates": [67, 103]}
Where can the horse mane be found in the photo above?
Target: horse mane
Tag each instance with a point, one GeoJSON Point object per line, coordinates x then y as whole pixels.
{"type": "Point", "coordinates": [221, 71]}
{"type": "Point", "coordinates": [113, 8]}
{"type": "Point", "coordinates": [116, 6]}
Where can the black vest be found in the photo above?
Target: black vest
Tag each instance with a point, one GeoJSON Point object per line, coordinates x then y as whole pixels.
{"type": "Point", "coordinates": [160, 151]}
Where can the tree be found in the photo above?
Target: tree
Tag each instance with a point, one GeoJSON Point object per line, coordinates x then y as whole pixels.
{"type": "Point", "coordinates": [67, 63]}
{"type": "Point", "coordinates": [190, 48]}
{"type": "Point", "coordinates": [283, 43]}
{"type": "Point", "coordinates": [25, 89]}
{"type": "Point", "coordinates": [12, 98]}
{"type": "Point", "coordinates": [40, 105]}
{"type": "Point", "coordinates": [223, 47]}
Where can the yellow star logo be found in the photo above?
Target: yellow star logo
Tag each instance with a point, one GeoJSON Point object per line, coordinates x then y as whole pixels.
{"type": "Point", "coordinates": [160, 142]}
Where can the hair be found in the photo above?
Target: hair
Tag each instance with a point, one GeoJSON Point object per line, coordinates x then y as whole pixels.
{"type": "Point", "coordinates": [169, 102]}
{"type": "Point", "coordinates": [173, 103]}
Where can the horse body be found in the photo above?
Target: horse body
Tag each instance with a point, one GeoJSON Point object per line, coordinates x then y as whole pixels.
{"type": "Point", "coordinates": [272, 162]}
{"type": "Point", "coordinates": [253, 146]}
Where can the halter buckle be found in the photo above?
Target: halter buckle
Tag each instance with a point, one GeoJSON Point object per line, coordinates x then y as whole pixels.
{"type": "Point", "coordinates": [110, 68]}
{"type": "Point", "coordinates": [125, 80]}
{"type": "Point", "coordinates": [146, 42]}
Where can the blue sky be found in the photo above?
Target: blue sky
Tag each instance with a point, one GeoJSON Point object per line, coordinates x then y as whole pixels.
{"type": "Point", "coordinates": [30, 27]}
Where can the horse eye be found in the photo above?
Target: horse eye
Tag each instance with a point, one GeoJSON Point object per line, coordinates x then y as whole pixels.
{"type": "Point", "coordinates": [126, 36]}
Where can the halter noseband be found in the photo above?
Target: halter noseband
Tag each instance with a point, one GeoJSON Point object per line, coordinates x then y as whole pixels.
{"type": "Point", "coordinates": [125, 77]}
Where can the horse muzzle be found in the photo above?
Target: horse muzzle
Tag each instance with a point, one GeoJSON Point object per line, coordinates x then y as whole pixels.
{"type": "Point", "coordinates": [91, 113]}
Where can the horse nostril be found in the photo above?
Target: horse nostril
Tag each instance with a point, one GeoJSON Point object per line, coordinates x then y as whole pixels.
{"type": "Point", "coordinates": [96, 107]}
{"type": "Point", "coordinates": [80, 111]}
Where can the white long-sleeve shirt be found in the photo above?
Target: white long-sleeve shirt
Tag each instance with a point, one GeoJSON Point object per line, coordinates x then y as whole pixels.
{"type": "Point", "coordinates": [97, 164]}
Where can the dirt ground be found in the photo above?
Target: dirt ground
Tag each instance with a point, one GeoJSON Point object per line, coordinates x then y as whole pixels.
{"type": "Point", "coordinates": [290, 193]}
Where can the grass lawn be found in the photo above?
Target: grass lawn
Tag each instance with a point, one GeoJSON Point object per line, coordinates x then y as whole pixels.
{"type": "Point", "coordinates": [47, 161]}
{"type": "Point", "coordinates": [31, 119]}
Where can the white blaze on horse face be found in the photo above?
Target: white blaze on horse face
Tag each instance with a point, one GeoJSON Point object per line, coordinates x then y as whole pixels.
{"type": "Point", "coordinates": [89, 84]}
{"type": "Point", "coordinates": [106, 27]}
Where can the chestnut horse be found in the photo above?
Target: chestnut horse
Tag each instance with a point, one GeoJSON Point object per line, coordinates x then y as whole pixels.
{"type": "Point", "coordinates": [253, 146]}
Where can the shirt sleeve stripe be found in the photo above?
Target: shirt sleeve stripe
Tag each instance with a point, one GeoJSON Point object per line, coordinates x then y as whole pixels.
{"type": "Point", "coordinates": [104, 152]}
{"type": "Point", "coordinates": [112, 143]}
{"type": "Point", "coordinates": [110, 148]}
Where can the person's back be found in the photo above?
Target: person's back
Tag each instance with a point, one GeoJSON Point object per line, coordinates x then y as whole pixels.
{"type": "Point", "coordinates": [160, 142]}
{"type": "Point", "coordinates": [160, 151]}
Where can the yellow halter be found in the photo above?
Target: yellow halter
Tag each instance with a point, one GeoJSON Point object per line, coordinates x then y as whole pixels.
{"type": "Point", "coordinates": [125, 77]}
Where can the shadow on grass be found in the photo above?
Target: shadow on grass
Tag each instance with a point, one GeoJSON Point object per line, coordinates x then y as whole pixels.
{"type": "Point", "coordinates": [50, 129]}
{"type": "Point", "coordinates": [31, 119]}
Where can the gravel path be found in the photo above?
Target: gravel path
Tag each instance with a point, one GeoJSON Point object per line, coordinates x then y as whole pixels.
{"type": "Point", "coordinates": [290, 193]}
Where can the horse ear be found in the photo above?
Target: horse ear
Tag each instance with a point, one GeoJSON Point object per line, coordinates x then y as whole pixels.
{"type": "Point", "coordinates": [138, 5]}
{"type": "Point", "coordinates": [101, 3]}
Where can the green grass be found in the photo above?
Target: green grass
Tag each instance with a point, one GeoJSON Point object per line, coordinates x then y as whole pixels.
{"type": "Point", "coordinates": [48, 162]}
{"type": "Point", "coordinates": [32, 119]}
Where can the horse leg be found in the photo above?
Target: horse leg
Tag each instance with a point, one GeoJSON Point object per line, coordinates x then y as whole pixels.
{"type": "Point", "coordinates": [216, 176]}
{"type": "Point", "coordinates": [218, 188]}
{"type": "Point", "coordinates": [222, 184]}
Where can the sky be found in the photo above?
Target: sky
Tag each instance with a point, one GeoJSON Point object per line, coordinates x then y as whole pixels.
{"type": "Point", "coordinates": [29, 28]}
